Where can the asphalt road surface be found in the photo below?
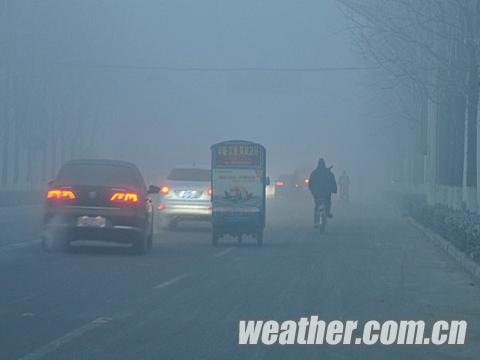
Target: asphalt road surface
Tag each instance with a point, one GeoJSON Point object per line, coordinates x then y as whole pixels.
{"type": "Point", "coordinates": [184, 299]}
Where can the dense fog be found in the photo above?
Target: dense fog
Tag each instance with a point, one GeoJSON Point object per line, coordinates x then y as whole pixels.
{"type": "Point", "coordinates": [159, 82]}
{"type": "Point", "coordinates": [342, 221]}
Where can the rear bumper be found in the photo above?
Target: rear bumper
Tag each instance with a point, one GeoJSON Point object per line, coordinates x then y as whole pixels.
{"type": "Point", "coordinates": [182, 210]}
{"type": "Point", "coordinates": [123, 225]}
{"type": "Point", "coordinates": [115, 234]}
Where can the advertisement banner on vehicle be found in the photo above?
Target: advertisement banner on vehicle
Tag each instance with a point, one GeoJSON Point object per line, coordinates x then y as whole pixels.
{"type": "Point", "coordinates": [234, 154]}
{"type": "Point", "coordinates": [238, 192]}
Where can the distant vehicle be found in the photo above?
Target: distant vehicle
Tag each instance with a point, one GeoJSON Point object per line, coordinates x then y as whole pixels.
{"type": "Point", "coordinates": [283, 185]}
{"type": "Point", "coordinates": [186, 195]}
{"type": "Point", "coordinates": [291, 185]}
{"type": "Point", "coordinates": [302, 175]}
{"type": "Point", "coordinates": [99, 200]}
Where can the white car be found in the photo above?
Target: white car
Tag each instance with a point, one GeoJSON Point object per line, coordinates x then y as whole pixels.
{"type": "Point", "coordinates": [185, 195]}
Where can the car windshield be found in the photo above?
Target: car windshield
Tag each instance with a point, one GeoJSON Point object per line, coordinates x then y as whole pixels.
{"type": "Point", "coordinates": [96, 174]}
{"type": "Point", "coordinates": [189, 174]}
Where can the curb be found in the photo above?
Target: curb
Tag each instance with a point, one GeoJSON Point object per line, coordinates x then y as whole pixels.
{"type": "Point", "coordinates": [467, 263]}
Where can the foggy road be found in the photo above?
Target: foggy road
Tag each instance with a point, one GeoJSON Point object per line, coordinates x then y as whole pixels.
{"type": "Point", "coordinates": [121, 119]}
{"type": "Point", "coordinates": [184, 299]}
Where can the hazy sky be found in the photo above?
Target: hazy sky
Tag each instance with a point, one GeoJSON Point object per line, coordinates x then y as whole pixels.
{"type": "Point", "coordinates": [159, 118]}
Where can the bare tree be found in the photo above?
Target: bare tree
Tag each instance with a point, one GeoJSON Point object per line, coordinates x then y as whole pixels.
{"type": "Point", "coordinates": [431, 48]}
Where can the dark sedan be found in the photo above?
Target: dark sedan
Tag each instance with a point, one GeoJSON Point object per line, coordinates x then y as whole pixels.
{"type": "Point", "coordinates": [103, 200]}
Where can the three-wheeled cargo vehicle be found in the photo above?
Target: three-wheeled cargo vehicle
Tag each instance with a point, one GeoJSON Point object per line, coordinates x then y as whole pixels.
{"type": "Point", "coordinates": [238, 190]}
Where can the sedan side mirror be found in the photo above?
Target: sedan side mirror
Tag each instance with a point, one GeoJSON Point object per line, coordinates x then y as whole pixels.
{"type": "Point", "coordinates": [152, 189]}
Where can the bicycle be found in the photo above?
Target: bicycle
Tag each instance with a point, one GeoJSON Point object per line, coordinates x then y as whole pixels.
{"type": "Point", "coordinates": [320, 215]}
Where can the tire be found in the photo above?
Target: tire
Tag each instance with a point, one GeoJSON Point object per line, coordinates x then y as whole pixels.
{"type": "Point", "coordinates": [323, 225]}
{"type": "Point", "coordinates": [260, 238]}
{"type": "Point", "coordinates": [140, 245]}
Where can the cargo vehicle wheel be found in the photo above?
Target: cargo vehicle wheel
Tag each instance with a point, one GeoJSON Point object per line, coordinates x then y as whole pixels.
{"type": "Point", "coordinates": [260, 238]}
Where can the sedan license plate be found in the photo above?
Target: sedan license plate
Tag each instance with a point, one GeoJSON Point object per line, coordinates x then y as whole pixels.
{"type": "Point", "coordinates": [188, 194]}
{"type": "Point", "coordinates": [90, 221]}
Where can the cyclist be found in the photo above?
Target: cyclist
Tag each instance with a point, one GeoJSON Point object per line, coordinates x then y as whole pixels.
{"type": "Point", "coordinates": [322, 185]}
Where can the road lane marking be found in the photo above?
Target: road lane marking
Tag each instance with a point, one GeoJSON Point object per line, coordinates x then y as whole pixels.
{"type": "Point", "coordinates": [65, 339]}
{"type": "Point", "coordinates": [172, 281]}
{"type": "Point", "coordinates": [222, 253]}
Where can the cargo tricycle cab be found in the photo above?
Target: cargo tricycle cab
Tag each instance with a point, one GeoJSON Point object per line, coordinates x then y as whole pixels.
{"type": "Point", "coordinates": [238, 190]}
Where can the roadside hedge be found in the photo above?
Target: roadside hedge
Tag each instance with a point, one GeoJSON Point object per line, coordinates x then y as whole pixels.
{"type": "Point", "coordinates": [460, 227]}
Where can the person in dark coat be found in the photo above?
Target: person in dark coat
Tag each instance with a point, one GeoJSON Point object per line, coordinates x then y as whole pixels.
{"type": "Point", "coordinates": [322, 185]}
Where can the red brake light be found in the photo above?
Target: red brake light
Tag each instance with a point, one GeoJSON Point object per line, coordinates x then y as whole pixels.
{"type": "Point", "coordinates": [279, 183]}
{"type": "Point", "coordinates": [164, 189]}
{"type": "Point", "coordinates": [124, 197]}
{"type": "Point", "coordinates": [61, 194]}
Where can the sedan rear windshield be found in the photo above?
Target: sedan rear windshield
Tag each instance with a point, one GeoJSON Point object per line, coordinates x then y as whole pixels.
{"type": "Point", "coordinates": [188, 174]}
{"type": "Point", "coordinates": [97, 174]}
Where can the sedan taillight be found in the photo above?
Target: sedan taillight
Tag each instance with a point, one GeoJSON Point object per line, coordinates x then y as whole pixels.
{"type": "Point", "coordinates": [61, 194]}
{"type": "Point", "coordinates": [124, 197]}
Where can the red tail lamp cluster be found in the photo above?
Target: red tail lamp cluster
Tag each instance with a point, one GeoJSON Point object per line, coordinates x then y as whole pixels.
{"type": "Point", "coordinates": [124, 197]}
{"type": "Point", "coordinates": [61, 194]}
